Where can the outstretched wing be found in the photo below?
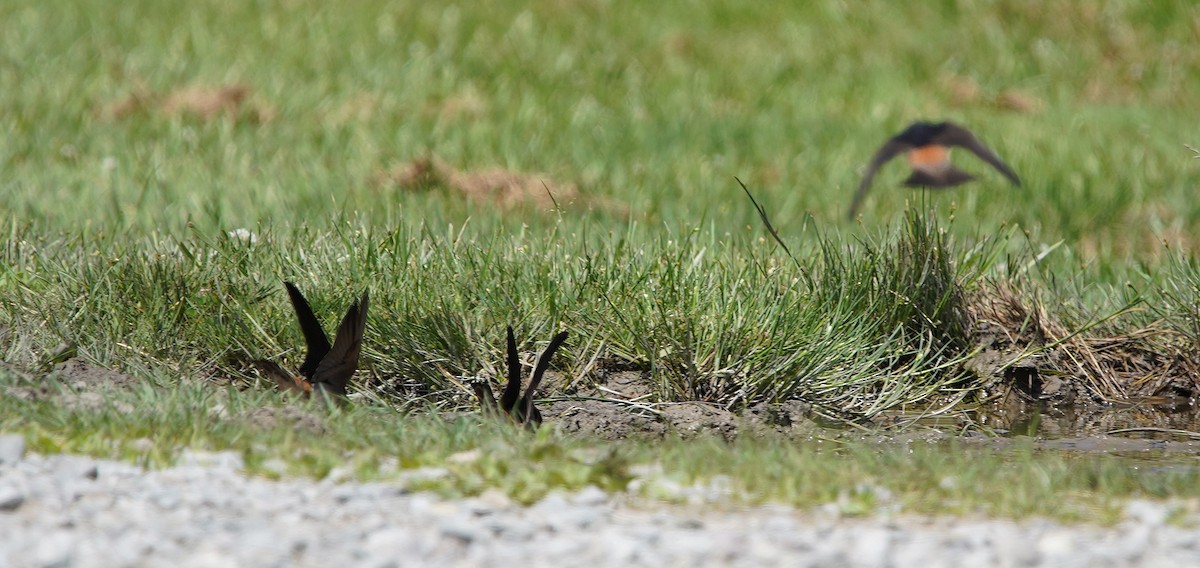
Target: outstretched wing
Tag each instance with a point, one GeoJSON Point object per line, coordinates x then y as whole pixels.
{"type": "Point", "coordinates": [339, 364]}
{"type": "Point", "coordinates": [529, 413]}
{"type": "Point", "coordinates": [314, 336]}
{"type": "Point", "coordinates": [889, 150]}
{"type": "Point", "coordinates": [954, 135]}
{"type": "Point", "coordinates": [512, 390]}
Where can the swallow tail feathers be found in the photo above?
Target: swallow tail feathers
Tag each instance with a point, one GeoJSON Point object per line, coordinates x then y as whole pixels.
{"type": "Point", "coordinates": [514, 403]}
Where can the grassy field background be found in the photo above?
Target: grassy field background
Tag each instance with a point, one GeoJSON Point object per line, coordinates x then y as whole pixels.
{"type": "Point", "coordinates": [657, 107]}
{"type": "Point", "coordinates": [128, 217]}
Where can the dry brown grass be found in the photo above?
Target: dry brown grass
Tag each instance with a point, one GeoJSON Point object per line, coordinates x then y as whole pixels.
{"type": "Point", "coordinates": [1026, 349]}
{"type": "Point", "coordinates": [201, 102]}
{"type": "Point", "coordinates": [498, 186]}
{"type": "Point", "coordinates": [966, 92]}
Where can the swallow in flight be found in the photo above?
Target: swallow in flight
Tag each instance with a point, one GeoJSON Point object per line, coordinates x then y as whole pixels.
{"type": "Point", "coordinates": [326, 369]}
{"type": "Point", "coordinates": [927, 145]}
{"type": "Point", "coordinates": [514, 404]}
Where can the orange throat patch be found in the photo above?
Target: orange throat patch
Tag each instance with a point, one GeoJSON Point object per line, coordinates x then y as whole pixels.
{"type": "Point", "coordinates": [302, 385]}
{"type": "Point", "coordinates": [929, 158]}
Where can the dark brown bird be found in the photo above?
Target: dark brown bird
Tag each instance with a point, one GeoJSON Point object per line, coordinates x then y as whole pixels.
{"type": "Point", "coordinates": [326, 369]}
{"type": "Point", "coordinates": [517, 406]}
{"type": "Point", "coordinates": [928, 145]}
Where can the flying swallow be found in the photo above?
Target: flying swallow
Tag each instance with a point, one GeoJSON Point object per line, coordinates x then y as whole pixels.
{"type": "Point", "coordinates": [326, 369]}
{"type": "Point", "coordinates": [928, 145]}
{"type": "Point", "coordinates": [517, 406]}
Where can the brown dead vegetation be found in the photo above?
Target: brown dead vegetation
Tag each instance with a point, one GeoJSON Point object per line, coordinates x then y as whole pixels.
{"type": "Point", "coordinates": [498, 186]}
{"type": "Point", "coordinates": [1026, 352]}
{"type": "Point", "coordinates": [1018, 101]}
{"type": "Point", "coordinates": [204, 103]}
{"type": "Point", "coordinates": [74, 384]}
{"type": "Point", "coordinates": [966, 92]}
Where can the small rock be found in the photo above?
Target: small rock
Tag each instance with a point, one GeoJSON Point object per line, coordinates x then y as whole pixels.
{"type": "Point", "coordinates": [460, 530]}
{"type": "Point", "coordinates": [70, 468]}
{"type": "Point", "coordinates": [1056, 543]}
{"type": "Point", "coordinates": [209, 558]}
{"type": "Point", "coordinates": [509, 530]}
{"type": "Point", "coordinates": [275, 466]}
{"type": "Point", "coordinates": [167, 499]}
{"type": "Point", "coordinates": [230, 461]}
{"type": "Point", "coordinates": [427, 473]}
{"type": "Point", "coordinates": [590, 496]}
{"type": "Point", "coordinates": [10, 498]}
{"type": "Point", "coordinates": [573, 547]}
{"type": "Point", "coordinates": [392, 542]}
{"type": "Point", "coordinates": [1146, 512]}
{"type": "Point", "coordinates": [466, 457]}
{"type": "Point", "coordinates": [551, 503]}
{"type": "Point", "coordinates": [618, 551]}
{"type": "Point", "coordinates": [53, 550]}
{"type": "Point", "coordinates": [574, 518]}
{"type": "Point", "coordinates": [489, 502]}
{"type": "Point", "coordinates": [388, 466]}
{"type": "Point", "coordinates": [12, 448]}
{"type": "Point", "coordinates": [872, 547]}
{"type": "Point", "coordinates": [496, 499]}
{"type": "Point", "coordinates": [339, 474]}
{"type": "Point", "coordinates": [718, 489]}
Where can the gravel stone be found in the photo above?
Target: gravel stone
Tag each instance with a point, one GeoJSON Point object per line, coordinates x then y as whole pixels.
{"type": "Point", "coordinates": [1147, 513]}
{"type": "Point", "coordinates": [11, 498]}
{"type": "Point", "coordinates": [12, 448]}
{"type": "Point", "coordinates": [462, 530]}
{"type": "Point", "coordinates": [590, 496]}
{"type": "Point", "coordinates": [80, 512]}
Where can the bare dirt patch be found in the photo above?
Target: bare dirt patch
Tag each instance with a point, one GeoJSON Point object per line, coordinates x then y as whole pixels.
{"type": "Point", "coordinates": [607, 420]}
{"type": "Point", "coordinates": [74, 383]}
{"type": "Point", "coordinates": [618, 407]}
{"type": "Point", "coordinates": [201, 102]}
{"type": "Point", "coordinates": [272, 417]}
{"type": "Point", "coordinates": [81, 375]}
{"type": "Point", "coordinates": [966, 92]}
{"type": "Point", "coordinates": [493, 186]}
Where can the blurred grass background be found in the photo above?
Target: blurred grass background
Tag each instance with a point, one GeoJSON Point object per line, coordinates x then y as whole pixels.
{"type": "Point", "coordinates": [657, 106]}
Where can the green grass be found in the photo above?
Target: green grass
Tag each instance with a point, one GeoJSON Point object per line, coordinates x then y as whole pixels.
{"type": "Point", "coordinates": [118, 231]}
{"type": "Point", "coordinates": [857, 329]}
{"type": "Point", "coordinates": [658, 107]}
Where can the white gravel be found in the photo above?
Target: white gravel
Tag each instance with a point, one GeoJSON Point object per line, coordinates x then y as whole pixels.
{"type": "Point", "coordinates": [74, 511]}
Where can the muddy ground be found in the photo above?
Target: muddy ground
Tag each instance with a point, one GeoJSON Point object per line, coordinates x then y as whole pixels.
{"type": "Point", "coordinates": [616, 409]}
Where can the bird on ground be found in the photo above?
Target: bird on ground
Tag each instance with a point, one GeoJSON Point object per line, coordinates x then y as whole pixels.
{"type": "Point", "coordinates": [927, 145]}
{"type": "Point", "coordinates": [326, 369]}
{"type": "Point", "coordinates": [516, 405]}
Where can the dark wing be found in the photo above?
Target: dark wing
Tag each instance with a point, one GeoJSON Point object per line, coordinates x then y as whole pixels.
{"type": "Point", "coordinates": [889, 150]}
{"type": "Point", "coordinates": [512, 390]}
{"type": "Point", "coordinates": [487, 402]}
{"type": "Point", "coordinates": [955, 135]}
{"type": "Point", "coordinates": [531, 414]}
{"type": "Point", "coordinates": [340, 363]}
{"type": "Point", "coordinates": [314, 336]}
